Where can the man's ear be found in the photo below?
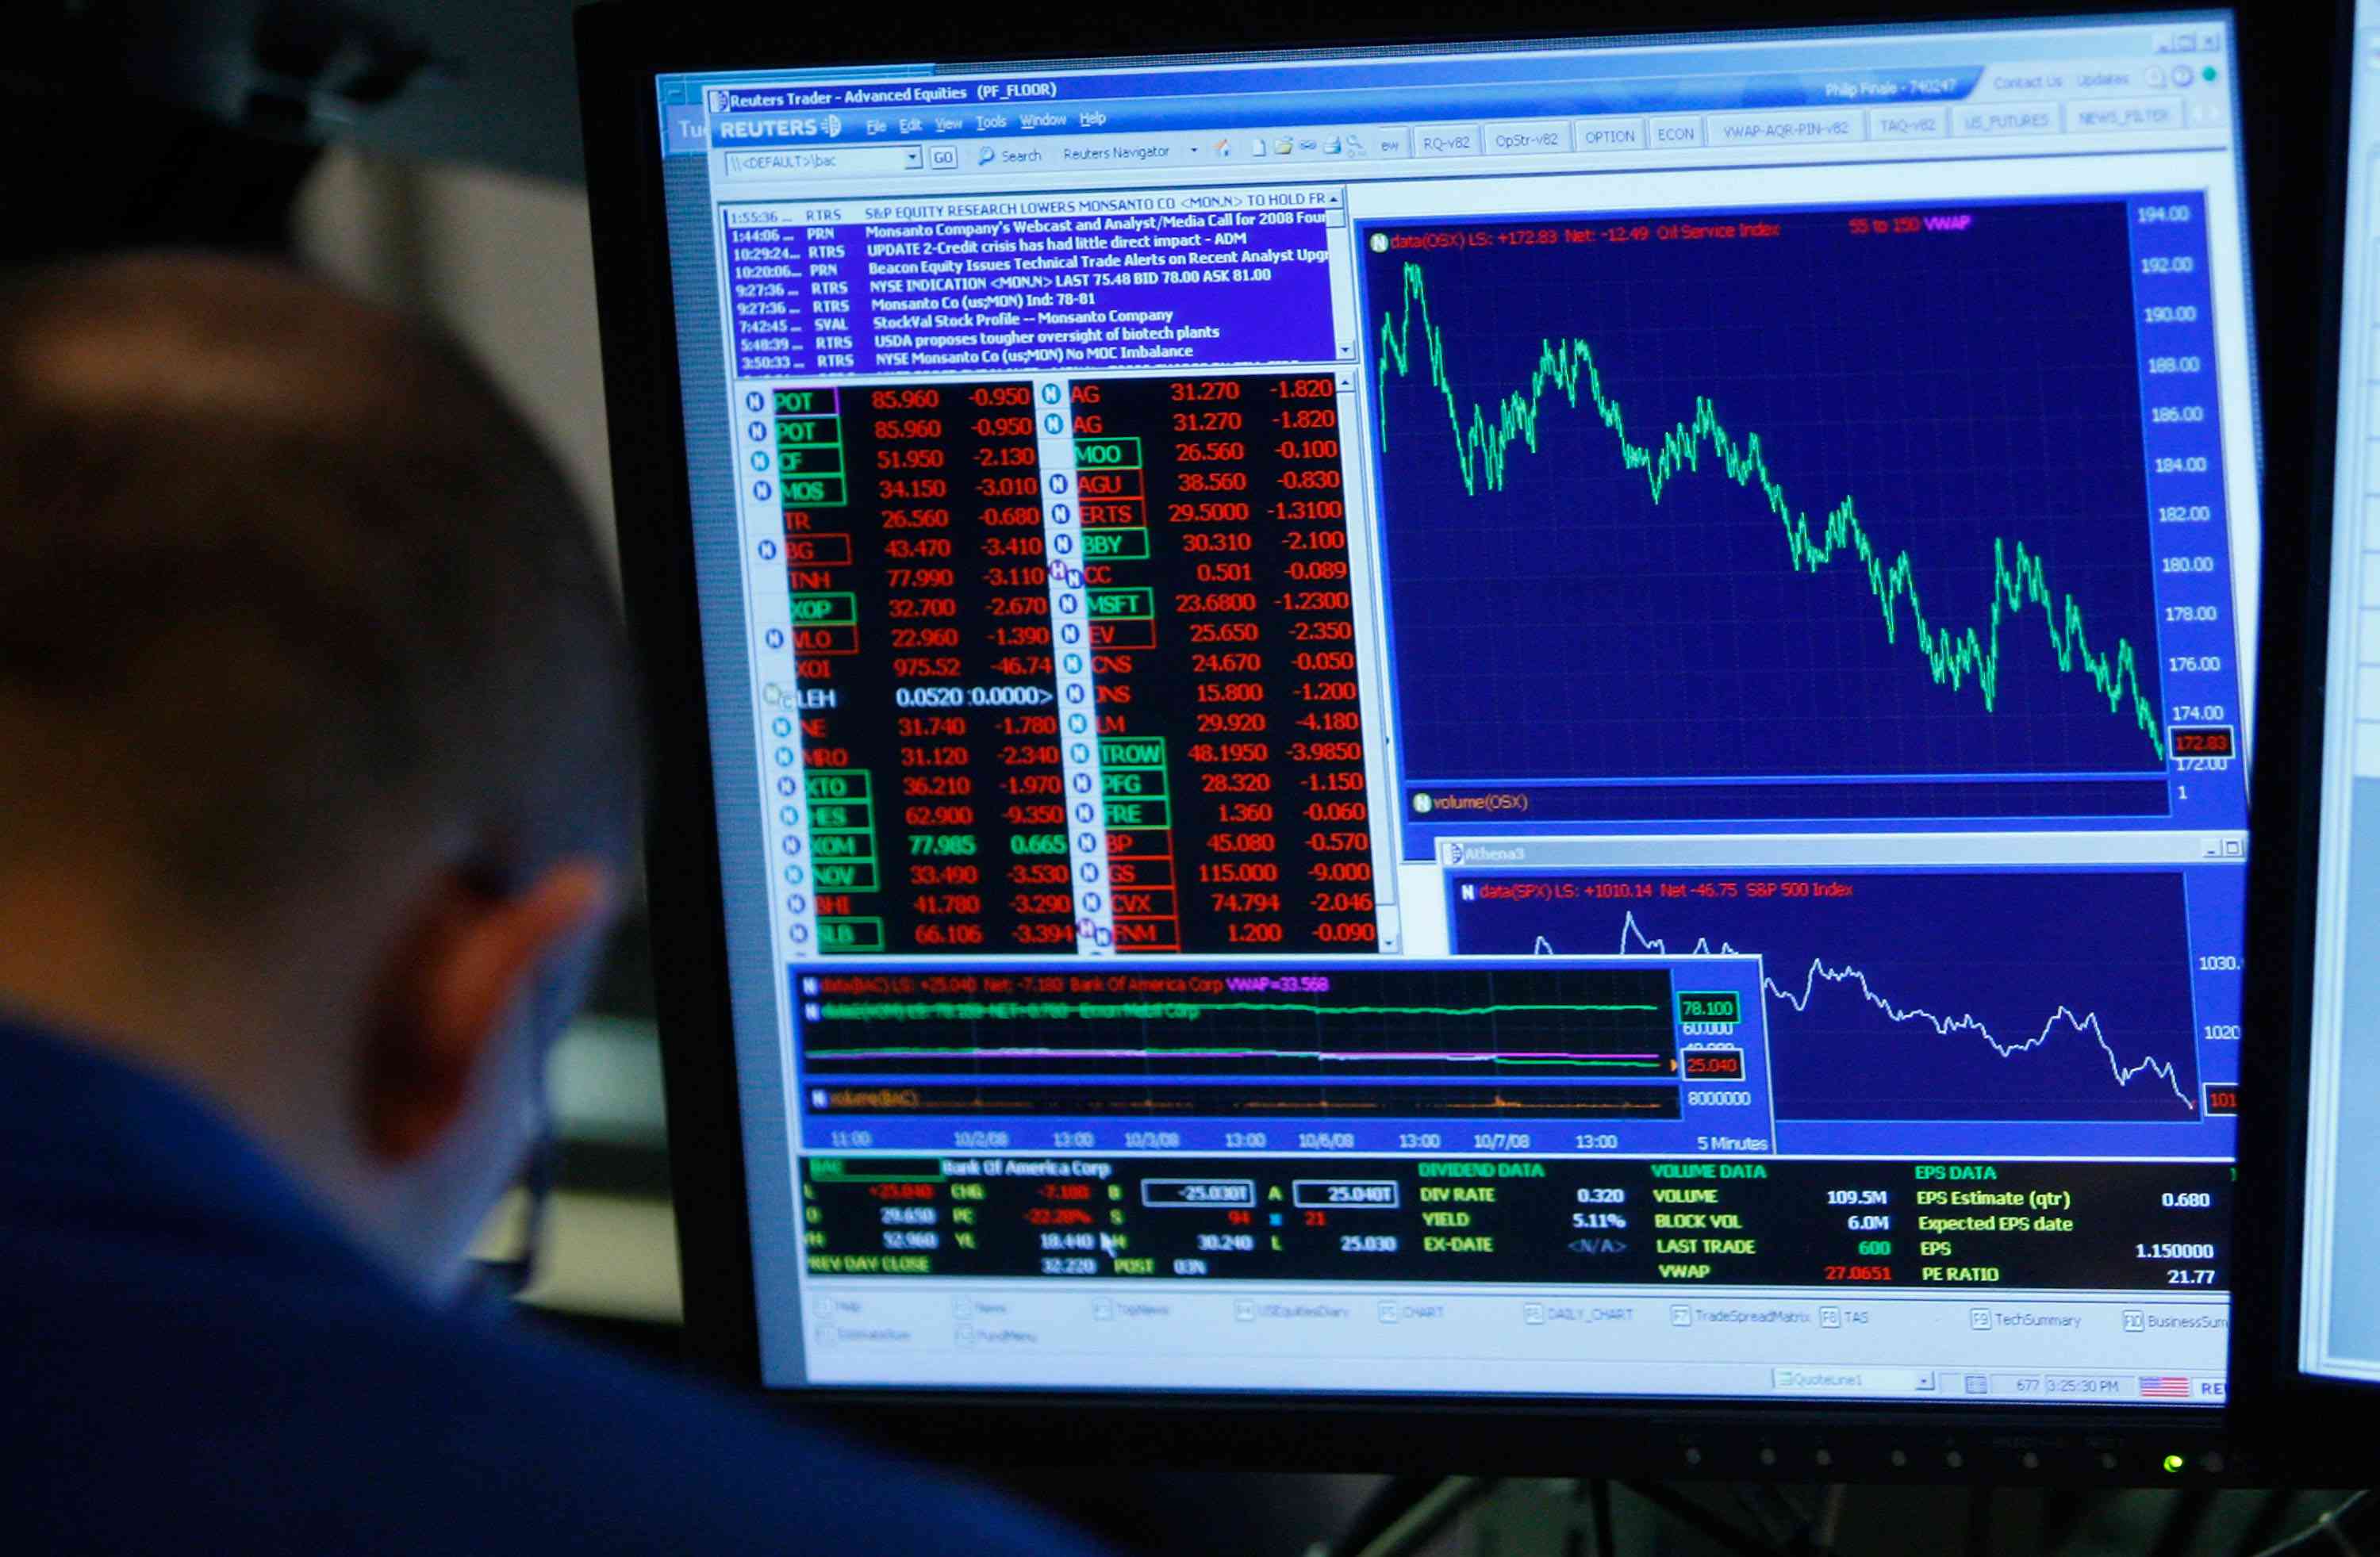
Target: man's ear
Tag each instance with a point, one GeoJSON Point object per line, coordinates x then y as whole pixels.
{"type": "Point", "coordinates": [447, 998]}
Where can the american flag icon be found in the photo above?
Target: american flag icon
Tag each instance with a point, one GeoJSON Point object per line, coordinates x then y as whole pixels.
{"type": "Point", "coordinates": [2165, 1386]}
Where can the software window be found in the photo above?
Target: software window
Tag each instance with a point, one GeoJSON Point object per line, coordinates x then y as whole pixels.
{"type": "Point", "coordinates": [1561, 719]}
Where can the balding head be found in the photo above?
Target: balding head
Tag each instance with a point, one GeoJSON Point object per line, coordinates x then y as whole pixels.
{"type": "Point", "coordinates": [205, 333]}
{"type": "Point", "coordinates": [282, 581]}
{"type": "Point", "coordinates": [315, 727]}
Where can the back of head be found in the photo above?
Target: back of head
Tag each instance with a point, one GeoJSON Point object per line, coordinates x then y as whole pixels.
{"type": "Point", "coordinates": [283, 585]}
{"type": "Point", "coordinates": [305, 653]}
{"type": "Point", "coordinates": [315, 725]}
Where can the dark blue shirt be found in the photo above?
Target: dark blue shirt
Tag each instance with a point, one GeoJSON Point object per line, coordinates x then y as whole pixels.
{"type": "Point", "coordinates": [194, 1359]}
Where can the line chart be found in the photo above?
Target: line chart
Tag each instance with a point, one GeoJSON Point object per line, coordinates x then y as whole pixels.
{"type": "Point", "coordinates": [2063, 994]}
{"type": "Point", "coordinates": [1956, 656]}
{"type": "Point", "coordinates": [1373, 1054]}
{"type": "Point", "coordinates": [1458, 1027]}
{"type": "Point", "coordinates": [1634, 942]}
{"type": "Point", "coordinates": [1185, 1010]}
{"type": "Point", "coordinates": [1159, 1054]}
{"type": "Point", "coordinates": [1761, 497]}
{"type": "Point", "coordinates": [1105, 1100]}
{"type": "Point", "coordinates": [1194, 1101]}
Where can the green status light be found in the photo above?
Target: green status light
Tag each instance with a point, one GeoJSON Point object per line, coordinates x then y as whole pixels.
{"type": "Point", "coordinates": [2173, 1464]}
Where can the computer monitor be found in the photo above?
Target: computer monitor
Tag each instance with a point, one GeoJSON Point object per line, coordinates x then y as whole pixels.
{"type": "Point", "coordinates": [2341, 1311]}
{"type": "Point", "coordinates": [2315, 945]}
{"type": "Point", "coordinates": [1539, 735]}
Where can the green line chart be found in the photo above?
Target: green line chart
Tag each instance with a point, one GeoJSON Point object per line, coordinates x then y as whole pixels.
{"type": "Point", "coordinates": [1484, 442]}
{"type": "Point", "coordinates": [1181, 1011]}
{"type": "Point", "coordinates": [1793, 499]}
{"type": "Point", "coordinates": [1456, 1024]}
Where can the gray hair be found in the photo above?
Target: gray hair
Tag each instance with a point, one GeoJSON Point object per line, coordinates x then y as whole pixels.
{"type": "Point", "coordinates": [281, 576]}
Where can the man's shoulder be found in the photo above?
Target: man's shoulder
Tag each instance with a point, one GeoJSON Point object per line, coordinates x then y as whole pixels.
{"type": "Point", "coordinates": [273, 1412]}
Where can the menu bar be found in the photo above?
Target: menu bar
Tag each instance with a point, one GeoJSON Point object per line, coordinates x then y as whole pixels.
{"type": "Point", "coordinates": [1586, 139]}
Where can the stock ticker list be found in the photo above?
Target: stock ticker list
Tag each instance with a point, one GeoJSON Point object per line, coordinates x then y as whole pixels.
{"type": "Point", "coordinates": [1223, 626]}
{"type": "Point", "coordinates": [921, 625]}
{"type": "Point", "coordinates": [1221, 631]}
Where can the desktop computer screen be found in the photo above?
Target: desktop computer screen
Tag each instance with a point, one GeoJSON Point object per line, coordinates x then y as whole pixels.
{"type": "Point", "coordinates": [1535, 719]}
{"type": "Point", "coordinates": [2338, 1329]}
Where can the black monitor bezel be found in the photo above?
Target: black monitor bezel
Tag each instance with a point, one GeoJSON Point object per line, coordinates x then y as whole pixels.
{"type": "Point", "coordinates": [622, 47]}
{"type": "Point", "coordinates": [2272, 1398]}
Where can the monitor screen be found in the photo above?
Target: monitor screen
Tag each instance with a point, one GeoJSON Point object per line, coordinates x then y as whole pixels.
{"type": "Point", "coordinates": [1547, 719]}
{"type": "Point", "coordinates": [2340, 1299]}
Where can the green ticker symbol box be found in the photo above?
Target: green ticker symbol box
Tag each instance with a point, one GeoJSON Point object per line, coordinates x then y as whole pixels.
{"type": "Point", "coordinates": [1123, 605]}
{"type": "Point", "coordinates": [809, 430]}
{"type": "Point", "coordinates": [848, 876]}
{"type": "Point", "coordinates": [795, 463]}
{"type": "Point", "coordinates": [851, 935]}
{"type": "Point", "coordinates": [818, 491]}
{"type": "Point", "coordinates": [1131, 783]}
{"type": "Point", "coordinates": [1108, 454]}
{"type": "Point", "coordinates": [838, 783]}
{"type": "Point", "coordinates": [854, 847]}
{"type": "Point", "coordinates": [832, 608]}
{"type": "Point", "coordinates": [841, 816]}
{"type": "Point", "coordinates": [1116, 545]}
{"type": "Point", "coordinates": [1720, 1007]}
{"type": "Point", "coordinates": [806, 402]}
{"type": "Point", "coordinates": [1132, 750]}
{"type": "Point", "coordinates": [1154, 811]}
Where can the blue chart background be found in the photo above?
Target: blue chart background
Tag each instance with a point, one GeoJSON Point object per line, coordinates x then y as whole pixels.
{"type": "Point", "coordinates": [1959, 386]}
{"type": "Point", "coordinates": [2008, 948]}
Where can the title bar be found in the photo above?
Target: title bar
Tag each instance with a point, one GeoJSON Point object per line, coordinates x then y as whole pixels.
{"type": "Point", "coordinates": [841, 115]}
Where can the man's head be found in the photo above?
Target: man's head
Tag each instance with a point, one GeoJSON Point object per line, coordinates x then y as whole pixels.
{"type": "Point", "coordinates": [316, 737]}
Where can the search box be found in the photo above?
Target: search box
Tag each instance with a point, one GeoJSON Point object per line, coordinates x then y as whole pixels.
{"type": "Point", "coordinates": [810, 161]}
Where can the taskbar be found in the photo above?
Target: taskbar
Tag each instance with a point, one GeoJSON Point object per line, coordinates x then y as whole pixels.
{"type": "Point", "coordinates": [2003, 1348]}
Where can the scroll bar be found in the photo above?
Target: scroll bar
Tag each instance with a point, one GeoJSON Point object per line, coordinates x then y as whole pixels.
{"type": "Point", "coordinates": [1070, 660]}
